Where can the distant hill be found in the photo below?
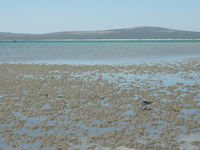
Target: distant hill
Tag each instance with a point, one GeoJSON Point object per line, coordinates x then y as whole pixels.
{"type": "Point", "coordinates": [127, 33]}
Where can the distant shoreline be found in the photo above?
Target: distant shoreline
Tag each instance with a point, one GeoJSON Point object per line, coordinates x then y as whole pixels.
{"type": "Point", "coordinates": [141, 33]}
{"type": "Point", "coordinates": [102, 40]}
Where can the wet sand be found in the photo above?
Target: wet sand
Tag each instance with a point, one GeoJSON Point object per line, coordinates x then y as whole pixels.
{"type": "Point", "coordinates": [95, 106]}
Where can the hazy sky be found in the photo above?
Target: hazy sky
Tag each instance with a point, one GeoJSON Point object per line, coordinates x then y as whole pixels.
{"type": "Point", "coordinates": [44, 16]}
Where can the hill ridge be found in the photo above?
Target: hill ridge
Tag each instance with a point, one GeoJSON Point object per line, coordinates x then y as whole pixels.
{"type": "Point", "coordinates": [145, 32]}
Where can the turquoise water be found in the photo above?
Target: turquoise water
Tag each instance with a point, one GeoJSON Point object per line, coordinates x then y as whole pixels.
{"type": "Point", "coordinates": [97, 52]}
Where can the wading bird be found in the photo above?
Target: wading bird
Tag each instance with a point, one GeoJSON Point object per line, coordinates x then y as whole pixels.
{"type": "Point", "coordinates": [144, 102]}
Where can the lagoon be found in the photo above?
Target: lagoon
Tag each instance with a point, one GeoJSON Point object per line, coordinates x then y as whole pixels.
{"type": "Point", "coordinates": [98, 52]}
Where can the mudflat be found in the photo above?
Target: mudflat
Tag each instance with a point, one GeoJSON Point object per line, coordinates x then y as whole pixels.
{"type": "Point", "coordinates": [95, 106]}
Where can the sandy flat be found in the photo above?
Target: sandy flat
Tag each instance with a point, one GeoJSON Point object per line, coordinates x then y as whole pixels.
{"type": "Point", "coordinates": [95, 106]}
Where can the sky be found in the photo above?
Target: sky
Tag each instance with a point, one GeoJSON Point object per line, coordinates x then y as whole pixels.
{"type": "Point", "coordinates": [45, 16]}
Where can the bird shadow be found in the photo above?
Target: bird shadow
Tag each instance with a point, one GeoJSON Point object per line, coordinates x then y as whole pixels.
{"type": "Point", "coordinates": [147, 109]}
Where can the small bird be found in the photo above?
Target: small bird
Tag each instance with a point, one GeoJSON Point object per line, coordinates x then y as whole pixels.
{"type": "Point", "coordinates": [144, 102]}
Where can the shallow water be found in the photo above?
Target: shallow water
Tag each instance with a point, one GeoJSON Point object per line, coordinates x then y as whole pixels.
{"type": "Point", "coordinates": [98, 52]}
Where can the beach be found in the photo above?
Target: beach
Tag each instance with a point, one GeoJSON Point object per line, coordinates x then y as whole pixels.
{"type": "Point", "coordinates": [63, 106]}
